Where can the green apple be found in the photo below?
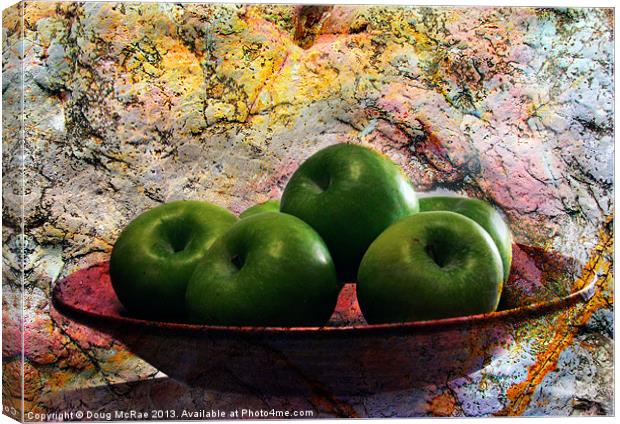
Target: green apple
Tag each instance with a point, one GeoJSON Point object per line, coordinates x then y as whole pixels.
{"type": "Point", "coordinates": [156, 254]}
{"type": "Point", "coordinates": [428, 266]}
{"type": "Point", "coordinates": [349, 194]}
{"type": "Point", "coordinates": [481, 212]}
{"type": "Point", "coordinates": [270, 269]}
{"type": "Point", "coordinates": [272, 205]}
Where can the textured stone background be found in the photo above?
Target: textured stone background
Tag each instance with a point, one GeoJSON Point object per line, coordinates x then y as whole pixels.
{"type": "Point", "coordinates": [130, 105]}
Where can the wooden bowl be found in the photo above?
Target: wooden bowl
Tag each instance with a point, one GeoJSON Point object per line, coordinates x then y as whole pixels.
{"type": "Point", "coordinates": [345, 356]}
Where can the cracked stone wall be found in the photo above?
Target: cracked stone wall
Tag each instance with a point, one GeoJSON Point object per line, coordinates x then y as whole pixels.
{"type": "Point", "coordinates": [127, 105]}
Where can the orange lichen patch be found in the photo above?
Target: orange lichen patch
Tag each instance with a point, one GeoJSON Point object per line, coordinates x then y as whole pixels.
{"type": "Point", "coordinates": [32, 382]}
{"type": "Point", "coordinates": [250, 67]}
{"type": "Point", "coordinates": [12, 18]}
{"type": "Point", "coordinates": [598, 264]}
{"type": "Point", "coordinates": [318, 72]}
{"type": "Point", "coordinates": [176, 73]}
{"type": "Point", "coordinates": [179, 56]}
{"type": "Point", "coordinates": [443, 405]}
{"type": "Point", "coordinates": [32, 407]}
{"type": "Point", "coordinates": [121, 355]}
{"type": "Point", "coordinates": [35, 11]}
{"type": "Point", "coordinates": [118, 357]}
{"type": "Point", "coordinates": [324, 71]}
{"type": "Point", "coordinates": [170, 83]}
{"type": "Point", "coordinates": [263, 98]}
{"type": "Point", "coordinates": [182, 69]}
{"type": "Point", "coordinates": [59, 380]}
{"type": "Point", "coordinates": [567, 325]}
{"type": "Point", "coordinates": [12, 378]}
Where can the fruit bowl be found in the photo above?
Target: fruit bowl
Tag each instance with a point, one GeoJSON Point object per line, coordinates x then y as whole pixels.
{"type": "Point", "coordinates": [344, 356]}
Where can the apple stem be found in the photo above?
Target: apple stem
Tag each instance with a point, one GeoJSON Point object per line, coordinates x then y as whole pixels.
{"type": "Point", "coordinates": [237, 261]}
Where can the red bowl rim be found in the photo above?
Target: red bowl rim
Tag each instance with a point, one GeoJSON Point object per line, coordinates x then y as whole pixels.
{"type": "Point", "coordinates": [581, 295]}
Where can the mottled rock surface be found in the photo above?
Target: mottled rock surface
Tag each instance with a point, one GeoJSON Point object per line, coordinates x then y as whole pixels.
{"type": "Point", "coordinates": [128, 105]}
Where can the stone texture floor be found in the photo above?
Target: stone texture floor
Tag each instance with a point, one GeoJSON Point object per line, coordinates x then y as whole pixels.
{"type": "Point", "coordinates": [128, 105]}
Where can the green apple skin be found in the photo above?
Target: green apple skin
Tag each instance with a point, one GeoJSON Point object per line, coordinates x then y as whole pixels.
{"type": "Point", "coordinates": [272, 205]}
{"type": "Point", "coordinates": [427, 266]}
{"type": "Point", "coordinates": [155, 255]}
{"type": "Point", "coordinates": [349, 194]}
{"type": "Point", "coordinates": [481, 212]}
{"type": "Point", "coordinates": [270, 269]}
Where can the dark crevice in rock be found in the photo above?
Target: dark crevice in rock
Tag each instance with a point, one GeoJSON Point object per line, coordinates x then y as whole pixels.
{"type": "Point", "coordinates": [589, 407]}
{"type": "Point", "coordinates": [358, 28]}
{"type": "Point", "coordinates": [154, 195]}
{"type": "Point", "coordinates": [308, 22]}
